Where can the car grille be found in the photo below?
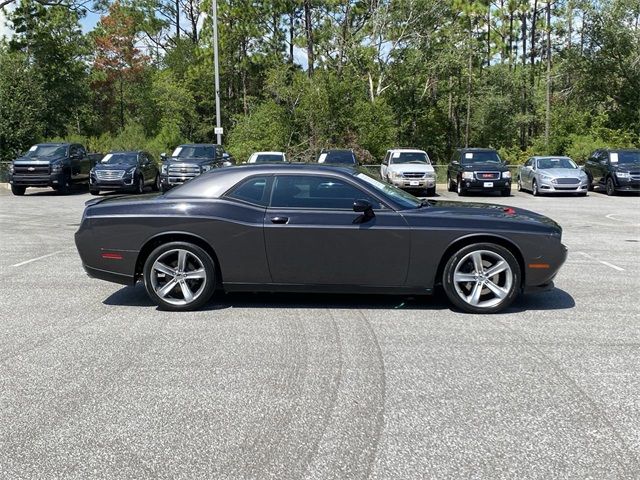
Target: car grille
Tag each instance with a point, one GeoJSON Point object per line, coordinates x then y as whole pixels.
{"type": "Point", "coordinates": [31, 169]}
{"type": "Point", "coordinates": [109, 174]}
{"type": "Point", "coordinates": [487, 175]}
{"type": "Point", "coordinates": [413, 175]}
{"type": "Point", "coordinates": [567, 181]}
{"type": "Point", "coordinates": [635, 176]}
{"type": "Point", "coordinates": [182, 173]}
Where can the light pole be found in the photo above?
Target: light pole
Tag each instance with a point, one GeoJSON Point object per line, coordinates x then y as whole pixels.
{"type": "Point", "coordinates": [218, 129]}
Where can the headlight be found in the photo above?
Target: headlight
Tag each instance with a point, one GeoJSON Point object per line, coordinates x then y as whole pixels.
{"type": "Point", "coordinates": [467, 175]}
{"type": "Point", "coordinates": [546, 178]}
{"type": "Point", "coordinates": [506, 174]}
{"type": "Point", "coordinates": [131, 170]}
{"type": "Point", "coordinates": [92, 171]}
{"type": "Point", "coordinates": [623, 175]}
{"type": "Point", "coordinates": [206, 168]}
{"type": "Point", "coordinates": [11, 168]}
{"type": "Point", "coordinates": [393, 174]}
{"type": "Point", "coordinates": [56, 167]}
{"type": "Point", "coordinates": [165, 168]}
{"type": "Point", "coordinates": [430, 175]}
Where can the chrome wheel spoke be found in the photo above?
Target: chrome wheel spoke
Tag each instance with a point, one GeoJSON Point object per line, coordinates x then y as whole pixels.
{"type": "Point", "coordinates": [182, 260]}
{"type": "Point", "coordinates": [161, 267]}
{"type": "Point", "coordinates": [501, 266]}
{"type": "Point", "coordinates": [477, 262]}
{"type": "Point", "coordinates": [497, 291]}
{"type": "Point", "coordinates": [474, 298]}
{"type": "Point", "coordinates": [464, 277]}
{"type": "Point", "coordinates": [164, 291]}
{"type": "Point", "coordinates": [196, 274]}
{"type": "Point", "coordinates": [186, 291]}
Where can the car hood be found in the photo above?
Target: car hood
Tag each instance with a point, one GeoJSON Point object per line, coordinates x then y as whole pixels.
{"type": "Point", "coordinates": [489, 210]}
{"type": "Point", "coordinates": [490, 167]}
{"type": "Point", "coordinates": [113, 166]}
{"type": "Point", "coordinates": [36, 160]}
{"type": "Point", "coordinates": [561, 172]}
{"type": "Point", "coordinates": [411, 167]}
{"type": "Point", "coordinates": [628, 167]}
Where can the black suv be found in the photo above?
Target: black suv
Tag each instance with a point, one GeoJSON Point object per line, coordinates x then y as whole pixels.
{"type": "Point", "coordinates": [189, 161]}
{"type": "Point", "coordinates": [616, 170]}
{"type": "Point", "coordinates": [130, 171]}
{"type": "Point", "coordinates": [337, 156]}
{"type": "Point", "coordinates": [478, 170]}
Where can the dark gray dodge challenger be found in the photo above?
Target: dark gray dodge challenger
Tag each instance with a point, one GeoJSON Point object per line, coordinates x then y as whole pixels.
{"type": "Point", "coordinates": [315, 228]}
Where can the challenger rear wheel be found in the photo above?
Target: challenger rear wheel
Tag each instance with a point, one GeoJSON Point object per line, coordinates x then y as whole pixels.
{"type": "Point", "coordinates": [179, 276]}
{"type": "Point", "coordinates": [482, 278]}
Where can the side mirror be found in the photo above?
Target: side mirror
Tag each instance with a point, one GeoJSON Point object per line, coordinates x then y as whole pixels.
{"type": "Point", "coordinates": [364, 207]}
{"type": "Point", "coordinates": [225, 155]}
{"type": "Point", "coordinates": [163, 156]}
{"type": "Point", "coordinates": [455, 162]}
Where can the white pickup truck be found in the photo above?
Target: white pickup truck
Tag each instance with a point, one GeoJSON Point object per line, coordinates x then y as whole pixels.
{"type": "Point", "coordinates": [409, 169]}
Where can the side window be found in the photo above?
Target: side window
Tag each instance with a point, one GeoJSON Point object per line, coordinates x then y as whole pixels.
{"type": "Point", "coordinates": [82, 151]}
{"type": "Point", "coordinates": [311, 191]}
{"type": "Point", "coordinates": [219, 152]}
{"type": "Point", "coordinates": [73, 150]}
{"type": "Point", "coordinates": [254, 190]}
{"type": "Point", "coordinates": [386, 158]}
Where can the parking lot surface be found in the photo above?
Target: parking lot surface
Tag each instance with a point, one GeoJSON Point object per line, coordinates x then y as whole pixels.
{"type": "Point", "coordinates": [95, 382]}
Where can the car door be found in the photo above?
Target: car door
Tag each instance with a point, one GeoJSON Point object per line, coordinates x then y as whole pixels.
{"type": "Point", "coordinates": [532, 171]}
{"type": "Point", "coordinates": [384, 166]}
{"type": "Point", "coordinates": [75, 162]}
{"type": "Point", "coordinates": [454, 165]}
{"type": "Point", "coordinates": [313, 236]}
{"type": "Point", "coordinates": [147, 168]}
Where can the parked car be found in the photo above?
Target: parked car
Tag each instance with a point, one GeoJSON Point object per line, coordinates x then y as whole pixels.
{"type": "Point", "coordinates": [615, 170]}
{"type": "Point", "coordinates": [189, 161]}
{"type": "Point", "coordinates": [409, 169]}
{"type": "Point", "coordinates": [478, 170]}
{"type": "Point", "coordinates": [313, 228]}
{"type": "Point", "coordinates": [129, 171]}
{"type": "Point", "coordinates": [338, 156]}
{"type": "Point", "coordinates": [56, 165]}
{"type": "Point", "coordinates": [552, 175]}
{"type": "Point", "coordinates": [267, 157]}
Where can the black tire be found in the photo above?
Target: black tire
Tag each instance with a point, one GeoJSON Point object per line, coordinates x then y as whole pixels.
{"type": "Point", "coordinates": [506, 192]}
{"type": "Point", "coordinates": [65, 187]}
{"type": "Point", "coordinates": [590, 187]}
{"type": "Point", "coordinates": [156, 184]}
{"type": "Point", "coordinates": [534, 189]}
{"type": "Point", "coordinates": [163, 189]}
{"type": "Point", "coordinates": [611, 187]}
{"type": "Point", "coordinates": [431, 191]}
{"type": "Point", "coordinates": [519, 185]}
{"type": "Point", "coordinates": [450, 186]}
{"type": "Point", "coordinates": [457, 260]}
{"type": "Point", "coordinates": [204, 290]}
{"type": "Point", "coordinates": [18, 190]}
{"type": "Point", "coordinates": [94, 191]}
{"type": "Point", "coordinates": [139, 189]}
{"type": "Point", "coordinates": [460, 188]}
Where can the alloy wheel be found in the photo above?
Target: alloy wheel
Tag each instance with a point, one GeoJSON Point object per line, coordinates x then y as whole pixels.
{"type": "Point", "coordinates": [178, 277]}
{"type": "Point", "coordinates": [483, 279]}
{"type": "Point", "coordinates": [611, 189]}
{"type": "Point", "coordinates": [534, 188]}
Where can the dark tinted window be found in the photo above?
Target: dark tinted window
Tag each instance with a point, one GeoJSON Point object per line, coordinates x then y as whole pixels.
{"type": "Point", "coordinates": [316, 192]}
{"type": "Point", "coordinates": [46, 151]}
{"type": "Point", "coordinates": [337, 156]}
{"type": "Point", "coordinates": [483, 156]}
{"type": "Point", "coordinates": [195, 151]}
{"type": "Point", "coordinates": [409, 157]}
{"type": "Point", "coordinates": [268, 158]}
{"type": "Point", "coordinates": [253, 190]}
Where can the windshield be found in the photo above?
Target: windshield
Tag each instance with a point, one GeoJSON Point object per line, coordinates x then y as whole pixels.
{"type": "Point", "coordinates": [337, 157]}
{"type": "Point", "coordinates": [46, 151]}
{"type": "Point", "coordinates": [120, 159]}
{"type": "Point", "coordinates": [409, 157]}
{"type": "Point", "coordinates": [546, 163]}
{"type": "Point", "coordinates": [481, 157]}
{"type": "Point", "coordinates": [625, 158]}
{"type": "Point", "coordinates": [398, 196]}
{"type": "Point", "coordinates": [195, 151]}
{"type": "Point", "coordinates": [267, 158]}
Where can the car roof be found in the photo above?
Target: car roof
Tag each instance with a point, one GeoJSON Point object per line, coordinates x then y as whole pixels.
{"type": "Point", "coordinates": [267, 153]}
{"type": "Point", "coordinates": [620, 149]}
{"type": "Point", "coordinates": [408, 150]}
{"type": "Point", "coordinates": [327, 150]}
{"type": "Point", "coordinates": [547, 157]}
{"type": "Point", "coordinates": [53, 144]}
{"type": "Point", "coordinates": [198, 145]}
{"type": "Point", "coordinates": [474, 149]}
{"type": "Point", "coordinates": [126, 151]}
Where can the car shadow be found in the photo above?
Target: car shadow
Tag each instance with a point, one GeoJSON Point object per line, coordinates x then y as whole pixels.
{"type": "Point", "coordinates": [74, 190]}
{"type": "Point", "coordinates": [136, 296]}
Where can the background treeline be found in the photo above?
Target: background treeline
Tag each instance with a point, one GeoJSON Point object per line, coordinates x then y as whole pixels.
{"type": "Point", "coordinates": [525, 76]}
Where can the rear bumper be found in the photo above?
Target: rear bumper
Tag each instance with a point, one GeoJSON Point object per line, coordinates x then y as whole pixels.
{"type": "Point", "coordinates": [113, 277]}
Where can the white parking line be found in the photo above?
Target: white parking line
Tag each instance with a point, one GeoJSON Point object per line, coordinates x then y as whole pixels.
{"type": "Point", "coordinates": [37, 258]}
{"type": "Point", "coordinates": [612, 216]}
{"type": "Point", "coordinates": [610, 265]}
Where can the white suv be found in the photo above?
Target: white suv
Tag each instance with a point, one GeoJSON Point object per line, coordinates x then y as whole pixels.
{"type": "Point", "coordinates": [409, 169]}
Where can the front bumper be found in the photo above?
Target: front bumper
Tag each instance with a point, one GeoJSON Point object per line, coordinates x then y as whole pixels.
{"type": "Point", "coordinates": [487, 185]}
{"type": "Point", "coordinates": [408, 183]}
{"type": "Point", "coordinates": [119, 184]}
{"type": "Point", "coordinates": [547, 186]}
{"type": "Point", "coordinates": [625, 185]}
{"type": "Point", "coordinates": [44, 180]}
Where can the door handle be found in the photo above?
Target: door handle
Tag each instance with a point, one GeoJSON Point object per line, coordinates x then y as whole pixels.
{"type": "Point", "coordinates": [279, 220]}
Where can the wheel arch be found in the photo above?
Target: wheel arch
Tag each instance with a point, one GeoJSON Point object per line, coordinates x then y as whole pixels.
{"type": "Point", "coordinates": [178, 236]}
{"type": "Point", "coordinates": [462, 242]}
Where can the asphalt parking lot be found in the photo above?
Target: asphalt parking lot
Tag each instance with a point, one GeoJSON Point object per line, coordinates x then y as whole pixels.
{"type": "Point", "coordinates": [95, 382]}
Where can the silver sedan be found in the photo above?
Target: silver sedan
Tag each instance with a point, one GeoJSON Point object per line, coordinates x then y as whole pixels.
{"type": "Point", "coordinates": [552, 175]}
